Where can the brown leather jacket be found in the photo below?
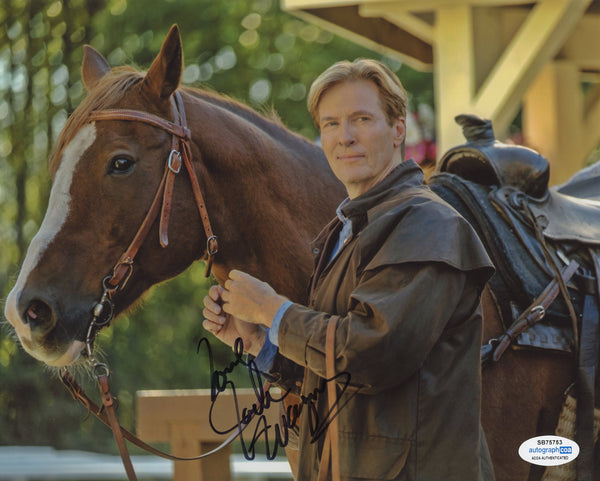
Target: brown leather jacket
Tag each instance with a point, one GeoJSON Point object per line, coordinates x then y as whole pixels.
{"type": "Point", "coordinates": [405, 290]}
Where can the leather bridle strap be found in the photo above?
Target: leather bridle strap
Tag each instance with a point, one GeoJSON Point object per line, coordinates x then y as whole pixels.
{"type": "Point", "coordinates": [180, 150]}
{"type": "Point", "coordinates": [109, 408]}
{"type": "Point", "coordinates": [107, 415]}
{"type": "Point", "coordinates": [331, 447]}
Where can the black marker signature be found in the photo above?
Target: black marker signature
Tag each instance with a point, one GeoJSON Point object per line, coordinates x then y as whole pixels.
{"type": "Point", "coordinates": [220, 383]}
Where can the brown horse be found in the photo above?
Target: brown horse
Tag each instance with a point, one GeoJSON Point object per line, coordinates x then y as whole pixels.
{"type": "Point", "coordinates": [267, 193]}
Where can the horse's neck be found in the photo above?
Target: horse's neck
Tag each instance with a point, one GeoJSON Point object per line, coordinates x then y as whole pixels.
{"type": "Point", "coordinates": [269, 194]}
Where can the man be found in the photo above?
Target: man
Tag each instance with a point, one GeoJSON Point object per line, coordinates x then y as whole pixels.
{"type": "Point", "coordinates": [399, 274]}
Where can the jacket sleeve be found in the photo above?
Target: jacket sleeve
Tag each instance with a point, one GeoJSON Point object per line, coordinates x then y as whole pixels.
{"type": "Point", "coordinates": [396, 316]}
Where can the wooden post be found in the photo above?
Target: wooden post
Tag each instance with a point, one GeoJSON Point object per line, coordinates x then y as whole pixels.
{"type": "Point", "coordinates": [181, 418]}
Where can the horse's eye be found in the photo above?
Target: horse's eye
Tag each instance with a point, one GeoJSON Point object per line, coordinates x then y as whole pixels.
{"type": "Point", "coordinates": [121, 165]}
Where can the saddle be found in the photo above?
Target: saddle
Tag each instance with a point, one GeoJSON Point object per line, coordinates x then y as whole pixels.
{"type": "Point", "coordinates": [522, 175]}
{"type": "Point", "coordinates": [531, 233]}
{"type": "Point", "coordinates": [503, 191]}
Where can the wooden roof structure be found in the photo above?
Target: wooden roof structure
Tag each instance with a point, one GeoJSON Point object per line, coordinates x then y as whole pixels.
{"type": "Point", "coordinates": [493, 58]}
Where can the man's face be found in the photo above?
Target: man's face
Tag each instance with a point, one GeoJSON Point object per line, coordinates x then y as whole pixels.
{"type": "Point", "coordinates": [359, 143]}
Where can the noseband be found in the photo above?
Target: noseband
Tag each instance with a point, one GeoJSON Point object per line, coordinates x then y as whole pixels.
{"type": "Point", "coordinates": [180, 153]}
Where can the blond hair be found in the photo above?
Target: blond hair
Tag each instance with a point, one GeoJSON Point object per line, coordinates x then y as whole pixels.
{"type": "Point", "coordinates": [391, 92]}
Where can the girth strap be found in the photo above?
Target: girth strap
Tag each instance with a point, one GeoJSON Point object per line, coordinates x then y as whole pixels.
{"type": "Point", "coordinates": [530, 316]}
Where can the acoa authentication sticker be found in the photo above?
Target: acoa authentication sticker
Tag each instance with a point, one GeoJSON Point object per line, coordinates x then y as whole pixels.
{"type": "Point", "coordinates": [549, 450]}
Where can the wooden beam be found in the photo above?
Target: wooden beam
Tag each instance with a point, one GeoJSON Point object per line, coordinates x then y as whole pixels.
{"type": "Point", "coordinates": [413, 5]}
{"type": "Point", "coordinates": [539, 39]}
{"type": "Point", "coordinates": [591, 123]}
{"type": "Point", "coordinates": [553, 119]}
{"type": "Point", "coordinates": [454, 72]}
{"type": "Point", "coordinates": [583, 46]}
{"type": "Point", "coordinates": [376, 34]}
{"type": "Point", "coordinates": [401, 17]}
{"type": "Point", "coordinates": [424, 5]}
{"type": "Point", "coordinates": [304, 4]}
{"type": "Point", "coordinates": [181, 418]}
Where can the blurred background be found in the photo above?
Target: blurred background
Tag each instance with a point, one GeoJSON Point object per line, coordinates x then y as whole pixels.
{"type": "Point", "coordinates": [246, 49]}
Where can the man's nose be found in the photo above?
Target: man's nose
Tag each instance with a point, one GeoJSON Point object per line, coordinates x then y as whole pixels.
{"type": "Point", "coordinates": [347, 134]}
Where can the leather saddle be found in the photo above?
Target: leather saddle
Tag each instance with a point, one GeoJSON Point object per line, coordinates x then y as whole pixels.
{"type": "Point", "coordinates": [502, 190]}
{"type": "Point", "coordinates": [522, 174]}
{"type": "Point", "coordinates": [531, 232]}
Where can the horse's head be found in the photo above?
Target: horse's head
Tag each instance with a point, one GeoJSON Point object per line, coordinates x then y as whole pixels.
{"type": "Point", "coordinates": [105, 174]}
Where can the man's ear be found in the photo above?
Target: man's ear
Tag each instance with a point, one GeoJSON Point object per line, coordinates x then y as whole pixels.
{"type": "Point", "coordinates": [164, 75]}
{"type": "Point", "coordinates": [399, 126]}
{"type": "Point", "coordinates": [93, 67]}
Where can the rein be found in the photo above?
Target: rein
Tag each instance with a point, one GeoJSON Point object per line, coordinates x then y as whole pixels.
{"type": "Point", "coordinates": [103, 312]}
{"type": "Point", "coordinates": [107, 415]}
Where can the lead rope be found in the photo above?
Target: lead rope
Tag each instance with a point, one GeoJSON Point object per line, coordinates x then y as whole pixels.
{"type": "Point", "coordinates": [102, 315]}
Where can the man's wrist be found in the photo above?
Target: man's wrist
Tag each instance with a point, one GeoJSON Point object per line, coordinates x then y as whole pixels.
{"type": "Point", "coordinates": [273, 332]}
{"type": "Point", "coordinates": [270, 312]}
{"type": "Point", "coordinates": [256, 342]}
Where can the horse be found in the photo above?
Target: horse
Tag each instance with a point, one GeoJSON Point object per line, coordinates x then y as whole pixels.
{"type": "Point", "coordinates": [226, 185]}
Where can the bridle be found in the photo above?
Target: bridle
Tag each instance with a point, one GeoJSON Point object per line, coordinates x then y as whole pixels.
{"type": "Point", "coordinates": [121, 273]}
{"type": "Point", "coordinates": [160, 206]}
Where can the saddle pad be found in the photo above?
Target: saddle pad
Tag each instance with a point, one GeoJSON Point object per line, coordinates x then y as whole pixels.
{"type": "Point", "coordinates": [566, 428]}
{"type": "Point", "coordinates": [585, 184]}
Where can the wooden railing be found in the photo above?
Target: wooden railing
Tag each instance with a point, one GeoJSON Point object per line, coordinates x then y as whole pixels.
{"type": "Point", "coordinates": [181, 418]}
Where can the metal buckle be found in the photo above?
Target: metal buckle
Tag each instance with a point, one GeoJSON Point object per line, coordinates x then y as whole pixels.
{"type": "Point", "coordinates": [170, 161]}
{"type": "Point", "coordinates": [124, 279]}
{"type": "Point", "coordinates": [210, 242]}
{"type": "Point", "coordinates": [538, 311]}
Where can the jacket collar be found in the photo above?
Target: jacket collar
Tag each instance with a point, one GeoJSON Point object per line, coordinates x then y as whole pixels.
{"type": "Point", "coordinates": [406, 174]}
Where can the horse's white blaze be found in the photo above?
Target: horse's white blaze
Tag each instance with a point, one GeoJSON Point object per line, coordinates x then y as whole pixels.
{"type": "Point", "coordinates": [56, 214]}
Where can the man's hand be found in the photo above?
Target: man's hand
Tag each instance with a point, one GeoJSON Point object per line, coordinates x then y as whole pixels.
{"type": "Point", "coordinates": [227, 328]}
{"type": "Point", "coordinates": [250, 299]}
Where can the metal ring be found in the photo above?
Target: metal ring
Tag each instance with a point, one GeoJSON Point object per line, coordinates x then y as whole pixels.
{"type": "Point", "coordinates": [108, 315]}
{"type": "Point", "coordinates": [98, 367]}
{"type": "Point", "coordinates": [105, 284]}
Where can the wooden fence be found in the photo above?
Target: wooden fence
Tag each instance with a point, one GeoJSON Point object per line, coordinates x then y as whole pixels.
{"type": "Point", "coordinates": [181, 418]}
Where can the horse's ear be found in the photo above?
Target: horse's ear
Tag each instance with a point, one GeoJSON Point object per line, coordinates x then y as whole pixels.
{"type": "Point", "coordinates": [164, 75]}
{"type": "Point", "coordinates": [93, 68]}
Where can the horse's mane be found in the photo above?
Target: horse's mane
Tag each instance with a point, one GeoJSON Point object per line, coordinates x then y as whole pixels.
{"type": "Point", "coordinates": [269, 122]}
{"type": "Point", "coordinates": [114, 85]}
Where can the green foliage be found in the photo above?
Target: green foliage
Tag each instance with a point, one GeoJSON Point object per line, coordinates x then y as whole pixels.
{"type": "Point", "coordinates": [249, 50]}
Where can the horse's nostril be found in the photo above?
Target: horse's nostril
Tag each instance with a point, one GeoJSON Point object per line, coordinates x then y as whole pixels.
{"type": "Point", "coordinates": [38, 314]}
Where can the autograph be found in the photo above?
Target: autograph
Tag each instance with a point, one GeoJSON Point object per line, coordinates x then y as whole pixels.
{"type": "Point", "coordinates": [220, 383]}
